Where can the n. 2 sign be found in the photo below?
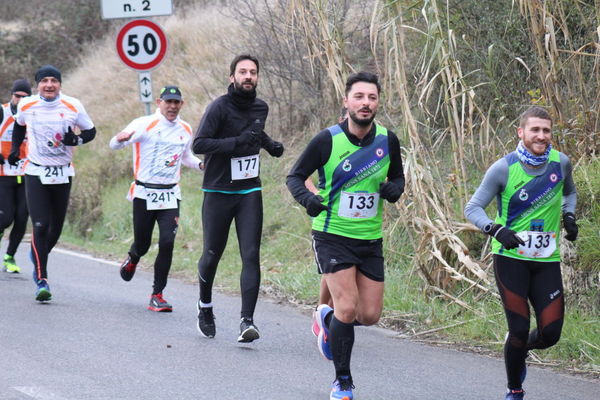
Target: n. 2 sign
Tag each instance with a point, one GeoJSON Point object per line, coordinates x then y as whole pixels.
{"type": "Point", "coordinates": [141, 45]}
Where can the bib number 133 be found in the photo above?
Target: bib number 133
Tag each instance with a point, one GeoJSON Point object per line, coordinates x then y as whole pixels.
{"type": "Point", "coordinates": [358, 205]}
{"type": "Point", "coordinates": [537, 244]}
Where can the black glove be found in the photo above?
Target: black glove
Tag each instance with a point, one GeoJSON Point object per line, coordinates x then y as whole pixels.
{"type": "Point", "coordinates": [1, 159]}
{"type": "Point", "coordinates": [13, 158]}
{"type": "Point", "coordinates": [277, 149]}
{"type": "Point", "coordinates": [570, 226]}
{"type": "Point", "coordinates": [70, 138]}
{"type": "Point", "coordinates": [247, 138]}
{"type": "Point", "coordinates": [314, 205]}
{"type": "Point", "coordinates": [389, 191]}
{"type": "Point", "coordinates": [507, 237]}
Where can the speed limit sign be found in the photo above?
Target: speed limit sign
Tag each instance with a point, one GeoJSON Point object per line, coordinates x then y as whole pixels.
{"type": "Point", "coordinates": [141, 44]}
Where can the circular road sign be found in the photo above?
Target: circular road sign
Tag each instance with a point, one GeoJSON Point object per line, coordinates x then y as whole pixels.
{"type": "Point", "coordinates": [141, 44]}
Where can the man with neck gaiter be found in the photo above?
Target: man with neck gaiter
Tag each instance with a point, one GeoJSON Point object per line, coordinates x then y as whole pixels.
{"type": "Point", "coordinates": [50, 119]}
{"type": "Point", "coordinates": [13, 206]}
{"type": "Point", "coordinates": [230, 135]}
{"type": "Point", "coordinates": [359, 166]}
{"type": "Point", "coordinates": [533, 186]}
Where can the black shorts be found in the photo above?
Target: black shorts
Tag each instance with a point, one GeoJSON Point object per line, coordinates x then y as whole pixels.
{"type": "Point", "coordinates": [334, 253]}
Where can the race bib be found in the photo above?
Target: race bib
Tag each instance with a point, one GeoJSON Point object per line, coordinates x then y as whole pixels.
{"type": "Point", "coordinates": [537, 244]}
{"type": "Point", "coordinates": [51, 175]}
{"type": "Point", "coordinates": [358, 205]}
{"type": "Point", "coordinates": [244, 167]}
{"type": "Point", "coordinates": [160, 199]}
{"type": "Point", "coordinates": [13, 170]}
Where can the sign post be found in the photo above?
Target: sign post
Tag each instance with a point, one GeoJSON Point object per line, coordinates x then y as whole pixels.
{"type": "Point", "coordinates": [142, 45]}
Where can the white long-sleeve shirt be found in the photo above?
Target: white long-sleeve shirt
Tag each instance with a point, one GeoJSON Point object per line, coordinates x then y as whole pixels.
{"type": "Point", "coordinates": [160, 147]}
{"type": "Point", "coordinates": [47, 122]}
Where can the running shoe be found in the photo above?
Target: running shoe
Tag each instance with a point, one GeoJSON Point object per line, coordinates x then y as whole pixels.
{"type": "Point", "coordinates": [323, 336]}
{"type": "Point", "coordinates": [127, 269]}
{"type": "Point", "coordinates": [206, 321]}
{"type": "Point", "coordinates": [342, 389]}
{"type": "Point", "coordinates": [248, 331]}
{"type": "Point", "coordinates": [10, 265]}
{"type": "Point", "coordinates": [514, 394]}
{"type": "Point", "coordinates": [157, 303]}
{"type": "Point", "coordinates": [315, 325]}
{"type": "Point", "coordinates": [43, 291]}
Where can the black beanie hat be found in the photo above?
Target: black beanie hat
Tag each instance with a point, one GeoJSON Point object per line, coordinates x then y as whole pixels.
{"type": "Point", "coordinates": [21, 85]}
{"type": "Point", "coordinates": [47, 70]}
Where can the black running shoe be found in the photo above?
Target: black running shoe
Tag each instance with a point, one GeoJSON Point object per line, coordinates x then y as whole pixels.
{"type": "Point", "coordinates": [248, 331]}
{"type": "Point", "coordinates": [157, 303]}
{"type": "Point", "coordinates": [127, 269]}
{"type": "Point", "coordinates": [206, 321]}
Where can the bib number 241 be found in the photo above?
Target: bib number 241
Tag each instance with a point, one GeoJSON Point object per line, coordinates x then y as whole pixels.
{"type": "Point", "coordinates": [160, 199]}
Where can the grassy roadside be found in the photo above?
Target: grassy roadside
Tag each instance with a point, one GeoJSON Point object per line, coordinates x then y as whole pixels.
{"type": "Point", "coordinates": [288, 272]}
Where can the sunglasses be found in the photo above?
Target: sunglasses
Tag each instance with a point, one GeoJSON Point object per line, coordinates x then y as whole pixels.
{"type": "Point", "coordinates": [19, 96]}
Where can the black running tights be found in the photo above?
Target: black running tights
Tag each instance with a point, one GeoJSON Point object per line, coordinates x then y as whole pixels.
{"type": "Point", "coordinates": [48, 207]}
{"type": "Point", "coordinates": [218, 211]}
{"type": "Point", "coordinates": [541, 283]}
{"type": "Point", "coordinates": [143, 225]}
{"type": "Point", "coordinates": [13, 210]}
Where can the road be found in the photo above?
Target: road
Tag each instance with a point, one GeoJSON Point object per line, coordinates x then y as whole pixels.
{"type": "Point", "coordinates": [96, 340]}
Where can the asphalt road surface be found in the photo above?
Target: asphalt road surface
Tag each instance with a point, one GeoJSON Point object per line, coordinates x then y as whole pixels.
{"type": "Point", "coordinates": [96, 340]}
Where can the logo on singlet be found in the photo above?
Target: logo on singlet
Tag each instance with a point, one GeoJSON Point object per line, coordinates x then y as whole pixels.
{"type": "Point", "coordinates": [523, 195]}
{"type": "Point", "coordinates": [379, 152]}
{"type": "Point", "coordinates": [56, 141]}
{"type": "Point", "coordinates": [553, 178]}
{"type": "Point", "coordinates": [173, 161]}
{"type": "Point", "coordinates": [346, 166]}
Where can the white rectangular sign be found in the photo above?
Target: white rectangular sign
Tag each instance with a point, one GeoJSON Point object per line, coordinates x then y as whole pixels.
{"type": "Point", "coordinates": [135, 8]}
{"type": "Point", "coordinates": [145, 81]}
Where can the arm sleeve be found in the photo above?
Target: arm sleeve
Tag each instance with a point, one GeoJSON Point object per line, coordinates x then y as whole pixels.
{"type": "Point", "coordinates": [395, 171]}
{"type": "Point", "coordinates": [18, 136]}
{"type": "Point", "coordinates": [88, 135]}
{"type": "Point", "coordinates": [569, 201]}
{"type": "Point", "coordinates": [206, 140]}
{"type": "Point", "coordinates": [492, 185]}
{"type": "Point", "coordinates": [312, 158]}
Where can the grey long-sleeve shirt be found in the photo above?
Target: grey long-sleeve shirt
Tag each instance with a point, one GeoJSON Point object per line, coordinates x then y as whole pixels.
{"type": "Point", "coordinates": [495, 180]}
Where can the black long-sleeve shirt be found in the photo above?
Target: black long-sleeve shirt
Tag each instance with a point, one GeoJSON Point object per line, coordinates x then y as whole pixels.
{"type": "Point", "coordinates": [318, 151]}
{"type": "Point", "coordinates": [223, 121]}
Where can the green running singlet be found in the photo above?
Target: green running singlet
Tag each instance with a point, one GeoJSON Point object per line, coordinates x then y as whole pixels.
{"type": "Point", "coordinates": [349, 184]}
{"type": "Point", "coordinates": [532, 205]}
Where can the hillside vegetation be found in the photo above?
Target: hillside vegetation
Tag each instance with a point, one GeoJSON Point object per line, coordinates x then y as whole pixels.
{"type": "Point", "coordinates": [456, 74]}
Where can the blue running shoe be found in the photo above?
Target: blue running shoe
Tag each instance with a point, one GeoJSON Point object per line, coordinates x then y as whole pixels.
{"type": "Point", "coordinates": [342, 389]}
{"type": "Point", "coordinates": [514, 394]}
{"type": "Point", "coordinates": [323, 337]}
{"type": "Point", "coordinates": [43, 291]}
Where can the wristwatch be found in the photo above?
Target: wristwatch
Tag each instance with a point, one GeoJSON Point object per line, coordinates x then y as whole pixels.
{"type": "Point", "coordinates": [487, 228]}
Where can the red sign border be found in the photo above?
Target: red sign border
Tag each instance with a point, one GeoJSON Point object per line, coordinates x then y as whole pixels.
{"type": "Point", "coordinates": [161, 36]}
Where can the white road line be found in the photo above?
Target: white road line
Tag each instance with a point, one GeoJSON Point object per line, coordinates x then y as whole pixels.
{"type": "Point", "coordinates": [86, 256]}
{"type": "Point", "coordinates": [37, 393]}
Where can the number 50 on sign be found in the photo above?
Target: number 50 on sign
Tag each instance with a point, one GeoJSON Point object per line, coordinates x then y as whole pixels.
{"type": "Point", "coordinates": [141, 44]}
